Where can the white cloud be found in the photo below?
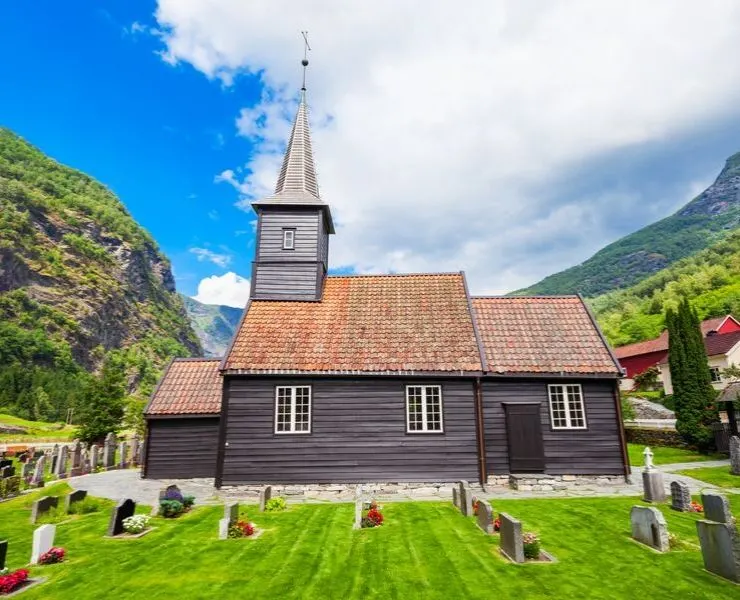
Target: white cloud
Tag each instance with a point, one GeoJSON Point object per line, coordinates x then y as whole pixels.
{"type": "Point", "coordinates": [203, 254]}
{"type": "Point", "coordinates": [229, 290]}
{"type": "Point", "coordinates": [445, 139]}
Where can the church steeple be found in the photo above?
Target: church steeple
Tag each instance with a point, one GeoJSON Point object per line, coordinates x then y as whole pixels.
{"type": "Point", "coordinates": [293, 224]}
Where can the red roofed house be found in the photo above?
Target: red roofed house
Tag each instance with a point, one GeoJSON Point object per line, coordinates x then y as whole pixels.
{"type": "Point", "coordinates": [383, 378]}
{"type": "Point", "coordinates": [636, 358]}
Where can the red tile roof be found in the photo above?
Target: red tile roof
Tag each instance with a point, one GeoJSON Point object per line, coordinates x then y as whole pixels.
{"type": "Point", "coordinates": [660, 343]}
{"type": "Point", "coordinates": [189, 386]}
{"type": "Point", "coordinates": [363, 324]}
{"type": "Point", "coordinates": [546, 334]}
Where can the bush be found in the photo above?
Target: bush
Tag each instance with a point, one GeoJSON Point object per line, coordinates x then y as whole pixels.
{"type": "Point", "coordinates": [136, 524]}
{"type": "Point", "coordinates": [188, 501]}
{"type": "Point", "coordinates": [170, 509]}
{"type": "Point", "coordinates": [275, 505]}
{"type": "Point", "coordinates": [241, 529]}
{"type": "Point", "coordinates": [628, 411]}
{"type": "Point", "coordinates": [531, 546]}
{"type": "Point", "coordinates": [373, 518]}
{"type": "Point", "coordinates": [86, 506]}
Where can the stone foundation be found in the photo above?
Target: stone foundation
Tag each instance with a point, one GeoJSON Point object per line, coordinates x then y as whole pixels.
{"type": "Point", "coordinates": [539, 482]}
{"type": "Point", "coordinates": [345, 491]}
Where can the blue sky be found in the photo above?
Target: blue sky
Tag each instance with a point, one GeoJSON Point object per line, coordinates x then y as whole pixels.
{"type": "Point", "coordinates": [511, 141]}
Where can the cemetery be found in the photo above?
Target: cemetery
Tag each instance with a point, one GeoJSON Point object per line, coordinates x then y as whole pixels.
{"type": "Point", "coordinates": [588, 547]}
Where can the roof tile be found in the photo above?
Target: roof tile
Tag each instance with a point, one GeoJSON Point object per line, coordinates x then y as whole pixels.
{"type": "Point", "coordinates": [546, 334]}
{"type": "Point", "coordinates": [189, 386]}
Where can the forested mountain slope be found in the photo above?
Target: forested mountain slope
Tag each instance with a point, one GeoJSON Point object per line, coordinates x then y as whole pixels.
{"type": "Point", "coordinates": [214, 325]}
{"type": "Point", "coordinates": [79, 279]}
{"type": "Point", "coordinates": [701, 222]}
{"type": "Point", "coordinates": [710, 279]}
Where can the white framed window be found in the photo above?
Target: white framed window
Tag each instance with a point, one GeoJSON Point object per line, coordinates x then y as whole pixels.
{"type": "Point", "coordinates": [566, 406]}
{"type": "Point", "coordinates": [424, 409]}
{"type": "Point", "coordinates": [715, 374]}
{"type": "Point", "coordinates": [288, 239]}
{"type": "Point", "coordinates": [293, 409]}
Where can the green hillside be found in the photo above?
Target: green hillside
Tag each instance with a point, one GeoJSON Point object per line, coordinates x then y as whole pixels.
{"type": "Point", "coordinates": [79, 280]}
{"type": "Point", "coordinates": [703, 221]}
{"type": "Point", "coordinates": [710, 279]}
{"type": "Point", "coordinates": [213, 324]}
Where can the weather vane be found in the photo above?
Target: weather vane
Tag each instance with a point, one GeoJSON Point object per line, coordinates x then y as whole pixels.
{"type": "Point", "coordinates": [304, 62]}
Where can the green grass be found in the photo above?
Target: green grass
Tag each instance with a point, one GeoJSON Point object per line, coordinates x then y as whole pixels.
{"type": "Point", "coordinates": [665, 456]}
{"type": "Point", "coordinates": [37, 431]}
{"type": "Point", "coordinates": [719, 476]}
{"type": "Point", "coordinates": [425, 550]}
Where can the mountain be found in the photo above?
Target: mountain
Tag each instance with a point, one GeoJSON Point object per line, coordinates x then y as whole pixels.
{"type": "Point", "coordinates": [79, 280]}
{"type": "Point", "coordinates": [213, 324]}
{"type": "Point", "coordinates": [710, 279]}
{"type": "Point", "coordinates": [704, 220]}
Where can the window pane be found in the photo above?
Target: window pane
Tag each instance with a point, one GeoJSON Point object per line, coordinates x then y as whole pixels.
{"type": "Point", "coordinates": [575, 406]}
{"type": "Point", "coordinates": [415, 418]}
{"type": "Point", "coordinates": [302, 409]}
{"type": "Point", "coordinates": [557, 407]}
{"type": "Point", "coordinates": [434, 409]}
{"type": "Point", "coordinates": [283, 409]}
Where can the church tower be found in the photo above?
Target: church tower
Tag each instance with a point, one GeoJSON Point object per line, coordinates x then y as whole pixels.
{"type": "Point", "coordinates": [293, 225]}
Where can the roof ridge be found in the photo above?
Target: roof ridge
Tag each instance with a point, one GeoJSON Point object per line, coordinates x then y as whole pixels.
{"type": "Point", "coordinates": [370, 275]}
{"type": "Point", "coordinates": [197, 359]}
{"type": "Point", "coordinates": [528, 297]}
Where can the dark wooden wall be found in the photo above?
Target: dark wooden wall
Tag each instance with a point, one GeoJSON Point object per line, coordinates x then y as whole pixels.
{"type": "Point", "coordinates": [181, 447]}
{"type": "Point", "coordinates": [593, 451]}
{"type": "Point", "coordinates": [358, 434]}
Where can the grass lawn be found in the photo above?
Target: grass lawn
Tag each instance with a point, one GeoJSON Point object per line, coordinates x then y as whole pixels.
{"type": "Point", "coordinates": [719, 476]}
{"type": "Point", "coordinates": [425, 550]}
{"type": "Point", "coordinates": [665, 456]}
{"type": "Point", "coordinates": [37, 431]}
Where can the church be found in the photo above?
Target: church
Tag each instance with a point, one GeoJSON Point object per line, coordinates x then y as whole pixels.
{"type": "Point", "coordinates": [352, 379]}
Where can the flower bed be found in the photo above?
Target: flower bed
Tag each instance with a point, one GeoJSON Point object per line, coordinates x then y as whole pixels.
{"type": "Point", "coordinates": [12, 581]}
{"type": "Point", "coordinates": [50, 557]}
{"type": "Point", "coordinates": [373, 517]}
{"type": "Point", "coordinates": [531, 546]}
{"type": "Point", "coordinates": [696, 507]}
{"type": "Point", "coordinates": [136, 524]}
{"type": "Point", "coordinates": [174, 503]}
{"type": "Point", "coordinates": [242, 529]}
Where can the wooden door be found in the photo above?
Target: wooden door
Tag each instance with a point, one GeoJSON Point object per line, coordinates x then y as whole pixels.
{"type": "Point", "coordinates": [524, 435]}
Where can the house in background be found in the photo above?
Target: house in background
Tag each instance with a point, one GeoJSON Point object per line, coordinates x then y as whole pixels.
{"type": "Point", "coordinates": [384, 378]}
{"type": "Point", "coordinates": [636, 358]}
{"type": "Point", "coordinates": [723, 350]}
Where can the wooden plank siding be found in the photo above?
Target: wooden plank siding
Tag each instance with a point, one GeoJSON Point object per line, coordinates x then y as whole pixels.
{"type": "Point", "coordinates": [358, 434]}
{"type": "Point", "coordinates": [305, 222]}
{"type": "Point", "coordinates": [286, 280]}
{"type": "Point", "coordinates": [181, 447]}
{"type": "Point", "coordinates": [592, 451]}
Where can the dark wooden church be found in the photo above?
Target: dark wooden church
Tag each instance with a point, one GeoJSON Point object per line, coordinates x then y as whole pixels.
{"type": "Point", "coordinates": [383, 378]}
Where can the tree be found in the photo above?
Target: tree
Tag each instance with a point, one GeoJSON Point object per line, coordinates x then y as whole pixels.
{"type": "Point", "coordinates": [693, 393]}
{"type": "Point", "coordinates": [102, 402]}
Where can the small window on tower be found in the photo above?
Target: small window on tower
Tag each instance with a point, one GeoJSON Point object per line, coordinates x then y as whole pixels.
{"type": "Point", "coordinates": [288, 239]}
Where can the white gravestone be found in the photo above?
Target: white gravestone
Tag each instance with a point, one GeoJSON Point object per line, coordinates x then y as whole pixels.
{"type": "Point", "coordinates": [43, 541]}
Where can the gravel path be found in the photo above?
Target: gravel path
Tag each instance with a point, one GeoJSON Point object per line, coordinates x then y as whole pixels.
{"type": "Point", "coordinates": [127, 484]}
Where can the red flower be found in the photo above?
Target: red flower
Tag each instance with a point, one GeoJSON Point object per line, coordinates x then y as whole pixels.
{"type": "Point", "coordinates": [374, 515]}
{"type": "Point", "coordinates": [496, 524]}
{"type": "Point", "coordinates": [13, 580]}
{"type": "Point", "coordinates": [247, 528]}
{"type": "Point", "coordinates": [55, 555]}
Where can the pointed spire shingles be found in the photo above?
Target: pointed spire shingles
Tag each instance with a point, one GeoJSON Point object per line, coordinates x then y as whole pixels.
{"type": "Point", "coordinates": [298, 174]}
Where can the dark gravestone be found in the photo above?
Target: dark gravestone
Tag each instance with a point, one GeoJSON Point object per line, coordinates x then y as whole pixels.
{"type": "Point", "coordinates": [3, 553]}
{"type": "Point", "coordinates": [71, 498]}
{"type": "Point", "coordinates": [231, 512]}
{"type": "Point", "coordinates": [6, 472]}
{"type": "Point", "coordinates": [466, 498]}
{"type": "Point", "coordinates": [123, 510]}
{"type": "Point", "coordinates": [511, 542]}
{"type": "Point", "coordinates": [456, 497]}
{"type": "Point", "coordinates": [5, 462]}
{"type": "Point", "coordinates": [171, 492]}
{"type": "Point", "coordinates": [485, 516]}
{"type": "Point", "coordinates": [720, 549]}
{"type": "Point", "coordinates": [43, 505]}
{"type": "Point", "coordinates": [680, 496]}
{"type": "Point", "coordinates": [716, 507]}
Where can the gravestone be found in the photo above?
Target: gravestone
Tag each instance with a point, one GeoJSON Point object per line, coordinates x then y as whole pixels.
{"type": "Point", "coordinates": [109, 451]}
{"type": "Point", "coordinates": [6, 472]}
{"type": "Point", "coordinates": [43, 505]}
{"type": "Point", "coordinates": [720, 548]}
{"type": "Point", "coordinates": [123, 455]}
{"type": "Point", "coordinates": [231, 512]}
{"type": "Point", "coordinates": [76, 468]}
{"type": "Point", "coordinates": [38, 472]}
{"type": "Point", "coordinates": [735, 455]}
{"type": "Point", "coordinates": [358, 514]}
{"type": "Point", "coordinates": [27, 470]}
{"type": "Point", "coordinates": [466, 498]}
{"type": "Point", "coordinates": [680, 496]}
{"type": "Point", "coordinates": [223, 529]}
{"type": "Point", "coordinates": [456, 497]}
{"type": "Point", "coordinates": [94, 457]}
{"type": "Point", "coordinates": [716, 507]}
{"type": "Point", "coordinates": [265, 495]}
{"type": "Point", "coordinates": [3, 553]}
{"type": "Point", "coordinates": [511, 542]}
{"type": "Point", "coordinates": [5, 462]}
{"type": "Point", "coordinates": [485, 516]}
{"type": "Point", "coordinates": [72, 497]}
{"type": "Point", "coordinates": [171, 492]}
{"type": "Point", "coordinates": [649, 527]}
{"type": "Point", "coordinates": [61, 471]}
{"type": "Point", "coordinates": [123, 510]}
{"type": "Point", "coordinates": [135, 460]}
{"type": "Point", "coordinates": [653, 486]}
{"type": "Point", "coordinates": [85, 462]}
{"type": "Point", "coordinates": [43, 541]}
{"type": "Point", "coordinates": [54, 458]}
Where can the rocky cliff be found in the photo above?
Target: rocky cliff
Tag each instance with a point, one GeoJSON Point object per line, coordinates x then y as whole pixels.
{"type": "Point", "coordinates": [214, 325]}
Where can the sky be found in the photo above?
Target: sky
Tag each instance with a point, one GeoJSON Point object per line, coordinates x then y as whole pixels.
{"type": "Point", "coordinates": [511, 139]}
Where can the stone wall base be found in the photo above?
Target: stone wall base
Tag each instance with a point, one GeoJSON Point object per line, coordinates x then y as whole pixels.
{"type": "Point", "coordinates": [539, 482]}
{"type": "Point", "coordinates": [345, 491]}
